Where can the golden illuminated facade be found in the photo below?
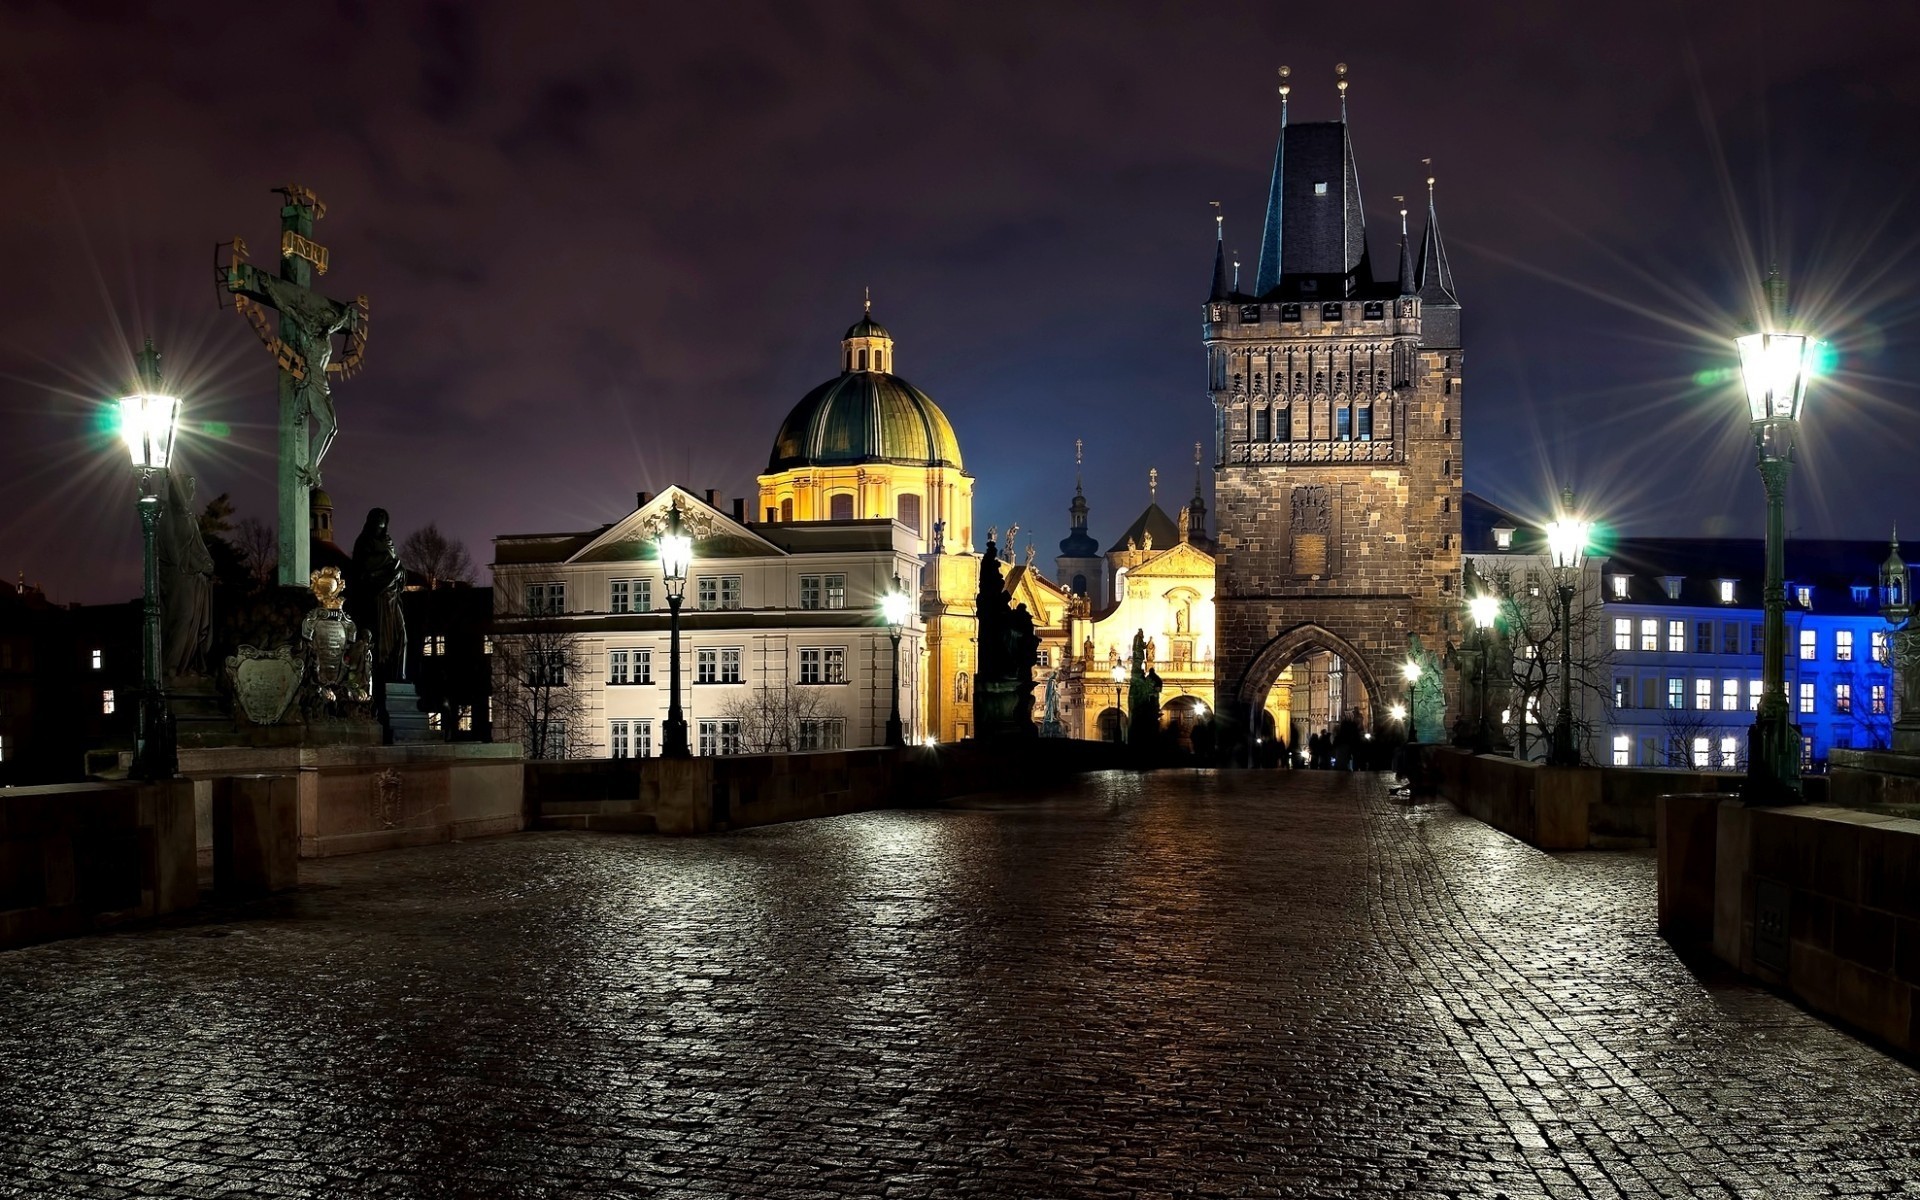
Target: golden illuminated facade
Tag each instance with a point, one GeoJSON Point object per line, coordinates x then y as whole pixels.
{"type": "Point", "coordinates": [869, 444]}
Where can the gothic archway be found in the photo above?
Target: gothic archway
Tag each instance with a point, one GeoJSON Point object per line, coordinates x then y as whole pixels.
{"type": "Point", "coordinates": [1341, 672]}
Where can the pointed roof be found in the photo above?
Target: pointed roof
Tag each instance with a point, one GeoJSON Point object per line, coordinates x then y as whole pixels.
{"type": "Point", "coordinates": [1316, 225]}
{"type": "Point", "coordinates": [1219, 269]}
{"type": "Point", "coordinates": [1435, 276]}
{"type": "Point", "coordinates": [635, 536]}
{"type": "Point", "coordinates": [1155, 521]}
{"type": "Point", "coordinates": [1408, 286]}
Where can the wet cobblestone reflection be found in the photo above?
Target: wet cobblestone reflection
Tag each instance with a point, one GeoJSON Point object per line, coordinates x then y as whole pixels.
{"type": "Point", "coordinates": [1174, 985]}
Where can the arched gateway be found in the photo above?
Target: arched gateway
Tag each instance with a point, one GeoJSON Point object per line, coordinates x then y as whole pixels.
{"type": "Point", "coordinates": [1304, 679]}
{"type": "Point", "coordinates": [1337, 441]}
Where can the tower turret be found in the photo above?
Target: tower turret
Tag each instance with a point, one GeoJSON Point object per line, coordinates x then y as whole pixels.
{"type": "Point", "coordinates": [1078, 566]}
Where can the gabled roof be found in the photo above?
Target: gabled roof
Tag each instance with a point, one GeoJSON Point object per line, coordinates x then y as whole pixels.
{"type": "Point", "coordinates": [1181, 559]}
{"type": "Point", "coordinates": [632, 538]}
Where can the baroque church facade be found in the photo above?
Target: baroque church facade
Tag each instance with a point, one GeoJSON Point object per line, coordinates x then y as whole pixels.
{"type": "Point", "coordinates": [1336, 398]}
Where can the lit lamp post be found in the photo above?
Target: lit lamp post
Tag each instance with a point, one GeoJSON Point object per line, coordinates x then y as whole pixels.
{"type": "Point", "coordinates": [1119, 714]}
{"type": "Point", "coordinates": [676, 555]}
{"type": "Point", "coordinates": [895, 606]}
{"type": "Point", "coordinates": [1484, 611]}
{"type": "Point", "coordinates": [1774, 366]}
{"type": "Point", "coordinates": [1567, 547]}
{"type": "Point", "coordinates": [1410, 671]}
{"type": "Point", "coordinates": [1903, 648]}
{"type": "Point", "coordinates": [148, 421]}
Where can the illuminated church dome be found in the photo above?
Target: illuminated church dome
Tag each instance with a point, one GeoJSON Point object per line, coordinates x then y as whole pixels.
{"type": "Point", "coordinates": [867, 415]}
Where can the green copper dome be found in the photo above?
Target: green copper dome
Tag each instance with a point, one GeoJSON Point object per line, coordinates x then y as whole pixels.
{"type": "Point", "coordinates": [865, 417]}
{"type": "Point", "coordinates": [867, 327]}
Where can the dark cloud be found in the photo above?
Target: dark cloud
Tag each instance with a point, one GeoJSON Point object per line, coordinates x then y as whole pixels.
{"type": "Point", "coordinates": [608, 245]}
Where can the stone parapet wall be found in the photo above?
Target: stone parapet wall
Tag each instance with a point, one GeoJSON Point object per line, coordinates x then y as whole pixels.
{"type": "Point", "coordinates": [85, 856]}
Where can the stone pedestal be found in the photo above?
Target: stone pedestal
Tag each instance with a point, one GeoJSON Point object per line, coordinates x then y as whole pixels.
{"type": "Point", "coordinates": [405, 716]}
{"type": "Point", "coordinates": [256, 834]}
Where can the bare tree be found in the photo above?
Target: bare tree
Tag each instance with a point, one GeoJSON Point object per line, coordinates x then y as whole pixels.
{"type": "Point", "coordinates": [1683, 727]}
{"type": "Point", "coordinates": [1873, 729]}
{"type": "Point", "coordinates": [259, 548]}
{"type": "Point", "coordinates": [436, 558]}
{"type": "Point", "coordinates": [777, 719]}
{"type": "Point", "coordinates": [1531, 623]}
{"type": "Point", "coordinates": [537, 664]}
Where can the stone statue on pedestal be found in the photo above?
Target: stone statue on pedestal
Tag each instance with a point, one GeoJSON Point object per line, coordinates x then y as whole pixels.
{"type": "Point", "coordinates": [374, 599]}
{"type": "Point", "coordinates": [186, 574]}
{"type": "Point", "coordinates": [1427, 706]}
{"type": "Point", "coordinates": [1003, 679]}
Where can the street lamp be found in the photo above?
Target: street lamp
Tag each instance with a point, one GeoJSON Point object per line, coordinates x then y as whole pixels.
{"type": "Point", "coordinates": [149, 419]}
{"type": "Point", "coordinates": [1567, 547]}
{"type": "Point", "coordinates": [1484, 611]}
{"type": "Point", "coordinates": [1119, 714]}
{"type": "Point", "coordinates": [1903, 654]}
{"type": "Point", "coordinates": [1774, 365]}
{"type": "Point", "coordinates": [1410, 671]}
{"type": "Point", "coordinates": [676, 555]}
{"type": "Point", "coordinates": [895, 606]}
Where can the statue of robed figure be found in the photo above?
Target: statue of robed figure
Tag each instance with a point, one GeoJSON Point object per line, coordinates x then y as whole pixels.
{"type": "Point", "coordinates": [374, 600]}
{"type": "Point", "coordinates": [186, 576]}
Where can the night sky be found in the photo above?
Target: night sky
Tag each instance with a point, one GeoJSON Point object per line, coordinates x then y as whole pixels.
{"type": "Point", "coordinates": [608, 247]}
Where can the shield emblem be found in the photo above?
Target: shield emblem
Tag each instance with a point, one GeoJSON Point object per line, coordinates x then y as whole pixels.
{"type": "Point", "coordinates": [265, 682]}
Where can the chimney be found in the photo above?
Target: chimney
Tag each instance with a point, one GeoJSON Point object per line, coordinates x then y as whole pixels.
{"type": "Point", "coordinates": [640, 499]}
{"type": "Point", "coordinates": [740, 509]}
{"type": "Point", "coordinates": [713, 497]}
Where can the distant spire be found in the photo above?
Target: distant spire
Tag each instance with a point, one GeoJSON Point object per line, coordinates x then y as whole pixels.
{"type": "Point", "coordinates": [1153, 484]}
{"type": "Point", "coordinates": [869, 301]}
{"type": "Point", "coordinates": [1435, 275]}
{"type": "Point", "coordinates": [1077, 544]}
{"type": "Point", "coordinates": [1236, 272]}
{"type": "Point", "coordinates": [1219, 253]}
{"type": "Point", "coordinates": [1407, 286]}
{"type": "Point", "coordinates": [1340, 72]}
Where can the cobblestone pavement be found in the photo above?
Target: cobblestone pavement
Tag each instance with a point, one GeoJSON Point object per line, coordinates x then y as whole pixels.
{"type": "Point", "coordinates": [1172, 985]}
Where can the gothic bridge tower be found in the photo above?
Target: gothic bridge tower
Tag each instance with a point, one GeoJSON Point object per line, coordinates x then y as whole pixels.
{"type": "Point", "coordinates": [1337, 442]}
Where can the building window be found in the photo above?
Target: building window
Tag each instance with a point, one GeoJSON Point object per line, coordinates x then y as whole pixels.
{"type": "Point", "coordinates": [543, 598]}
{"type": "Point", "coordinates": [818, 734]}
{"type": "Point", "coordinates": [1676, 693]}
{"type": "Point", "coordinates": [1671, 584]}
{"type": "Point", "coordinates": [1862, 595]}
{"type": "Point", "coordinates": [1730, 638]}
{"type": "Point", "coordinates": [1343, 424]}
{"type": "Point", "coordinates": [1878, 699]}
{"type": "Point", "coordinates": [1804, 596]}
{"type": "Point", "coordinates": [630, 666]}
{"type": "Point", "coordinates": [908, 509]}
{"type": "Point", "coordinates": [1757, 639]}
{"type": "Point", "coordinates": [1259, 425]}
{"type": "Point", "coordinates": [1701, 754]}
{"type": "Point", "coordinates": [1649, 634]}
{"type": "Point", "coordinates": [823, 591]}
{"type": "Point", "coordinates": [1879, 638]}
{"type": "Point", "coordinates": [1729, 695]}
{"type": "Point", "coordinates": [1622, 751]}
{"type": "Point", "coordinates": [840, 506]}
{"type": "Point", "coordinates": [486, 645]}
{"type": "Point", "coordinates": [434, 722]}
{"type": "Point", "coordinates": [547, 668]}
{"type": "Point", "coordinates": [1622, 693]}
{"type": "Point", "coordinates": [1363, 423]}
{"type": "Point", "coordinates": [1649, 693]}
{"type": "Point", "coordinates": [631, 596]}
{"type": "Point", "coordinates": [1619, 587]}
{"type": "Point", "coordinates": [1809, 645]}
{"type": "Point", "coordinates": [1703, 693]}
{"type": "Point", "coordinates": [1676, 637]}
{"type": "Point", "coordinates": [786, 509]}
{"type": "Point", "coordinates": [463, 718]}
{"type": "Point", "coordinates": [1843, 645]}
{"type": "Point", "coordinates": [1622, 633]}
{"type": "Point", "coordinates": [719, 591]}
{"type": "Point", "coordinates": [1729, 753]}
{"type": "Point", "coordinates": [1843, 698]}
{"type": "Point", "coordinates": [433, 645]}
{"type": "Point", "coordinates": [719, 737]}
{"type": "Point", "coordinates": [1806, 752]}
{"type": "Point", "coordinates": [1808, 694]}
{"type": "Point", "coordinates": [96, 660]}
{"type": "Point", "coordinates": [1754, 687]}
{"type": "Point", "coordinates": [1703, 637]}
{"type": "Point", "coordinates": [823, 664]}
{"type": "Point", "coordinates": [106, 701]}
{"type": "Point", "coordinates": [630, 739]}
{"type": "Point", "coordinates": [717, 666]}
{"type": "Point", "coordinates": [1726, 591]}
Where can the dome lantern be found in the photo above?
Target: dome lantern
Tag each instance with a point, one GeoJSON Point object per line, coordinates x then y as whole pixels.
{"type": "Point", "coordinates": [868, 346]}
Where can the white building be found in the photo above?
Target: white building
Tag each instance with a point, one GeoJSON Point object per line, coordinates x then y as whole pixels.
{"type": "Point", "coordinates": [782, 644]}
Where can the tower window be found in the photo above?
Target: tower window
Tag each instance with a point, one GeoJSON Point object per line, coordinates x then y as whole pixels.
{"type": "Point", "coordinates": [1319, 189]}
{"type": "Point", "coordinates": [1343, 424]}
{"type": "Point", "coordinates": [786, 509]}
{"type": "Point", "coordinates": [1331, 311]}
{"type": "Point", "coordinates": [908, 508]}
{"type": "Point", "coordinates": [1289, 312]}
{"type": "Point", "coordinates": [863, 360]}
{"type": "Point", "coordinates": [1282, 425]}
{"type": "Point", "coordinates": [1363, 423]}
{"type": "Point", "coordinates": [1375, 310]}
{"type": "Point", "coordinates": [1259, 424]}
{"type": "Point", "coordinates": [840, 506]}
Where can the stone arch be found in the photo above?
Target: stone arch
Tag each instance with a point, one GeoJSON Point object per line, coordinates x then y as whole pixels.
{"type": "Point", "coordinates": [1283, 650]}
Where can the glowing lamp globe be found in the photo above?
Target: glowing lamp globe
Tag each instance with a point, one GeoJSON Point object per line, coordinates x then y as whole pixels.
{"type": "Point", "coordinates": [1484, 610]}
{"type": "Point", "coordinates": [1398, 712]}
{"type": "Point", "coordinates": [148, 422]}
{"type": "Point", "coordinates": [1775, 367]}
{"type": "Point", "coordinates": [1411, 670]}
{"type": "Point", "coordinates": [1567, 537]}
{"type": "Point", "coordinates": [676, 554]}
{"type": "Point", "coordinates": [1119, 676]}
{"type": "Point", "coordinates": [896, 605]}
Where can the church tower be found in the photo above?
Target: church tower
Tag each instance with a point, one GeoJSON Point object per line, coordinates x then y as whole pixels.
{"type": "Point", "coordinates": [1337, 441]}
{"type": "Point", "coordinates": [1078, 566]}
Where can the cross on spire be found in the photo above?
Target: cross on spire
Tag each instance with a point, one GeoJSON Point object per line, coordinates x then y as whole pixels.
{"type": "Point", "coordinates": [869, 300]}
{"type": "Point", "coordinates": [1153, 484]}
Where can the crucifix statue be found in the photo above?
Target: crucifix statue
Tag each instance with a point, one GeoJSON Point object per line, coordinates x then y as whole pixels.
{"type": "Point", "coordinates": [303, 348]}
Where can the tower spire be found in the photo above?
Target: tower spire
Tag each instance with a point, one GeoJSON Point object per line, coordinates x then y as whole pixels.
{"type": "Point", "coordinates": [1219, 253]}
{"type": "Point", "coordinates": [1340, 73]}
{"type": "Point", "coordinates": [868, 310]}
{"type": "Point", "coordinates": [1407, 287]}
{"type": "Point", "coordinates": [1197, 507]}
{"type": "Point", "coordinates": [1267, 275]}
{"type": "Point", "coordinates": [1435, 276]}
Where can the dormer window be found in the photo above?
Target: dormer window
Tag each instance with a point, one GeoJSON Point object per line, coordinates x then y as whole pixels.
{"type": "Point", "coordinates": [1671, 585]}
{"type": "Point", "coordinates": [1803, 596]}
{"type": "Point", "coordinates": [1503, 536]}
{"type": "Point", "coordinates": [1619, 583]}
{"type": "Point", "coordinates": [1726, 590]}
{"type": "Point", "coordinates": [1862, 594]}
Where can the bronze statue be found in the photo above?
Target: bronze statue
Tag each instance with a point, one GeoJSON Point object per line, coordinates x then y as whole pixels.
{"type": "Point", "coordinates": [378, 582]}
{"type": "Point", "coordinates": [186, 573]}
